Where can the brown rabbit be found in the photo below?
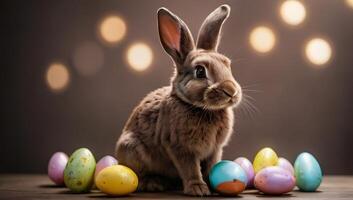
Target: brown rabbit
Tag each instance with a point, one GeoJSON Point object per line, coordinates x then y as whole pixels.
{"type": "Point", "coordinates": [178, 132]}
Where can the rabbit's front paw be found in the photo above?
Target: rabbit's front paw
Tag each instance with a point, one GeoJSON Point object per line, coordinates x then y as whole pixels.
{"type": "Point", "coordinates": [197, 189]}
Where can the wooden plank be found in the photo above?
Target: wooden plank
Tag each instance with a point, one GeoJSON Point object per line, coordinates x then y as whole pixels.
{"type": "Point", "coordinates": [29, 186]}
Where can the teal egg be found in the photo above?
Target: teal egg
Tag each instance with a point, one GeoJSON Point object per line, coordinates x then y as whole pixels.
{"type": "Point", "coordinates": [307, 172]}
{"type": "Point", "coordinates": [228, 178]}
{"type": "Point", "coordinates": [79, 171]}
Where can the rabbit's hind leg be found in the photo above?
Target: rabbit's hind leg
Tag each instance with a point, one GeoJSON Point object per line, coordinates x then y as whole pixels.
{"type": "Point", "coordinates": [130, 153]}
{"type": "Point", "coordinates": [133, 154]}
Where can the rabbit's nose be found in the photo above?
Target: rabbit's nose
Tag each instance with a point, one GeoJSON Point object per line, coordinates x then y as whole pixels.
{"type": "Point", "coordinates": [229, 88]}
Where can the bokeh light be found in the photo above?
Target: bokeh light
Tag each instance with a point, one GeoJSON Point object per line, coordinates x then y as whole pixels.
{"type": "Point", "coordinates": [139, 56]}
{"type": "Point", "coordinates": [318, 51]}
{"type": "Point", "coordinates": [112, 29]}
{"type": "Point", "coordinates": [57, 77]}
{"type": "Point", "coordinates": [292, 12]}
{"type": "Point", "coordinates": [88, 59]}
{"type": "Point", "coordinates": [262, 39]}
{"type": "Point", "coordinates": [350, 3]}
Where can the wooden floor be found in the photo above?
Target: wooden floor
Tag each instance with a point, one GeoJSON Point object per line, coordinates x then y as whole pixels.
{"type": "Point", "coordinates": [40, 187]}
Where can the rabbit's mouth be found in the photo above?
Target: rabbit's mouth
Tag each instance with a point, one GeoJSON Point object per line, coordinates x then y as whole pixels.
{"type": "Point", "coordinates": [216, 98]}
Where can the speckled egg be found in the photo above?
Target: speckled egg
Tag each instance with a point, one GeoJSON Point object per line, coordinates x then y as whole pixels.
{"type": "Point", "coordinates": [285, 164]}
{"type": "Point", "coordinates": [264, 158]}
{"type": "Point", "coordinates": [307, 172]}
{"type": "Point", "coordinates": [274, 180]}
{"type": "Point", "coordinates": [117, 180]}
{"type": "Point", "coordinates": [56, 167]}
{"type": "Point", "coordinates": [248, 168]}
{"type": "Point", "coordinates": [104, 162]}
{"type": "Point", "coordinates": [79, 171]}
{"type": "Point", "coordinates": [228, 178]}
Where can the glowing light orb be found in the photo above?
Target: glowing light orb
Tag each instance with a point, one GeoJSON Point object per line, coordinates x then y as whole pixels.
{"type": "Point", "coordinates": [112, 29]}
{"type": "Point", "coordinates": [57, 77]}
{"type": "Point", "coordinates": [88, 59]}
{"type": "Point", "coordinates": [262, 39]}
{"type": "Point", "coordinates": [318, 51]}
{"type": "Point", "coordinates": [293, 12]}
{"type": "Point", "coordinates": [349, 3]}
{"type": "Point", "coordinates": [139, 56]}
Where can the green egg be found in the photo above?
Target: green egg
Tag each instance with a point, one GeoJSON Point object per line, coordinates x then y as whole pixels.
{"type": "Point", "coordinates": [79, 171]}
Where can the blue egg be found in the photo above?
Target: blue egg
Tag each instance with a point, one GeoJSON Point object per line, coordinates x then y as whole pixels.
{"type": "Point", "coordinates": [307, 172]}
{"type": "Point", "coordinates": [228, 178]}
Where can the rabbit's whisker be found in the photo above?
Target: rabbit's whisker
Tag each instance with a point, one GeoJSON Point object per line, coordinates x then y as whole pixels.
{"type": "Point", "coordinates": [249, 90]}
{"type": "Point", "coordinates": [247, 107]}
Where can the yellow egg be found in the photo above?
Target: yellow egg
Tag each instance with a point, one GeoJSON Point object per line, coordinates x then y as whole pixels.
{"type": "Point", "coordinates": [264, 158]}
{"type": "Point", "coordinates": [117, 180]}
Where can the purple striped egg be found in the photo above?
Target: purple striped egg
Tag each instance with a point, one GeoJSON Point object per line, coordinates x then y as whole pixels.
{"type": "Point", "coordinates": [274, 180]}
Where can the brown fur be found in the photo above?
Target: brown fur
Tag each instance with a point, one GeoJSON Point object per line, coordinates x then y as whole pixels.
{"type": "Point", "coordinates": [177, 133]}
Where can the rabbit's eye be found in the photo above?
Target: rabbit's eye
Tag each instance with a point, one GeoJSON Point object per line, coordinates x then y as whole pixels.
{"type": "Point", "coordinates": [200, 71]}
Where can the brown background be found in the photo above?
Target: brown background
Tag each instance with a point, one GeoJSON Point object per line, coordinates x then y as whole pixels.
{"type": "Point", "coordinates": [301, 108]}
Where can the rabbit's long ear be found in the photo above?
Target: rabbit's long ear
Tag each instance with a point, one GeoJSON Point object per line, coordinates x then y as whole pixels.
{"type": "Point", "coordinates": [210, 30]}
{"type": "Point", "coordinates": [175, 36]}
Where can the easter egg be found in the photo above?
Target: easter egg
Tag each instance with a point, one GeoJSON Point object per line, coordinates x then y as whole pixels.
{"type": "Point", "coordinates": [56, 167]}
{"type": "Point", "coordinates": [248, 168]}
{"type": "Point", "coordinates": [104, 162]}
{"type": "Point", "coordinates": [264, 158]}
{"type": "Point", "coordinates": [307, 172]}
{"type": "Point", "coordinates": [79, 171]}
{"type": "Point", "coordinates": [274, 180]}
{"type": "Point", "coordinates": [228, 178]}
{"type": "Point", "coordinates": [285, 164]}
{"type": "Point", "coordinates": [117, 180]}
